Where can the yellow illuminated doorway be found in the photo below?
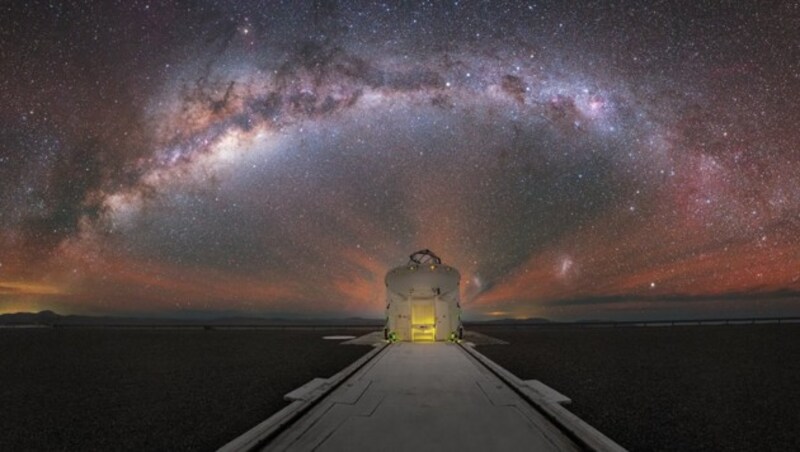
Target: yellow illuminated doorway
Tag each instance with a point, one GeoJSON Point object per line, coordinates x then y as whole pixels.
{"type": "Point", "coordinates": [423, 321]}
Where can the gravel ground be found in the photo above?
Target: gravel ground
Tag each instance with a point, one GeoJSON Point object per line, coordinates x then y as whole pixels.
{"type": "Point", "coordinates": [669, 388]}
{"type": "Point", "coordinates": [150, 389]}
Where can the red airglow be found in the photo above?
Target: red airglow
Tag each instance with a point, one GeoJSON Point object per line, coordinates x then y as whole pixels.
{"type": "Point", "coordinates": [647, 263]}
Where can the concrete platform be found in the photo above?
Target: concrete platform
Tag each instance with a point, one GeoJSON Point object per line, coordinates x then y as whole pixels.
{"type": "Point", "coordinates": [420, 396]}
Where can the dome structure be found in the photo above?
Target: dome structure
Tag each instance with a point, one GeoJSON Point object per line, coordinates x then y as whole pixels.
{"type": "Point", "coordinates": [422, 300]}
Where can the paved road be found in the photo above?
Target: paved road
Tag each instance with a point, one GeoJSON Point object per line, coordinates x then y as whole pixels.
{"type": "Point", "coordinates": [431, 396]}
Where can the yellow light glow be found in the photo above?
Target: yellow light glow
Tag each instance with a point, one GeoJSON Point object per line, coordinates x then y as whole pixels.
{"type": "Point", "coordinates": [423, 319]}
{"type": "Point", "coordinates": [498, 313]}
{"type": "Point", "coordinates": [28, 288]}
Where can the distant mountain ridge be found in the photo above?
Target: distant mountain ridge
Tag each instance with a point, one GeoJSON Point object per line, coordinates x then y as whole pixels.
{"type": "Point", "coordinates": [50, 318]}
{"type": "Point", "coordinates": [507, 321]}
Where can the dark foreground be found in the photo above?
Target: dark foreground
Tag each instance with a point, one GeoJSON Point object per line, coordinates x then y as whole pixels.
{"type": "Point", "coordinates": [150, 389]}
{"type": "Point", "coordinates": [669, 388]}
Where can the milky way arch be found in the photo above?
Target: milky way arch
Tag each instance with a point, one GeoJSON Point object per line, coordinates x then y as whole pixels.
{"type": "Point", "coordinates": [288, 179]}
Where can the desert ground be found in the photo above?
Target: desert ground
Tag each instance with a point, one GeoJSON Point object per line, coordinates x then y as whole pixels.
{"type": "Point", "coordinates": [726, 387]}
{"type": "Point", "coordinates": [152, 389]}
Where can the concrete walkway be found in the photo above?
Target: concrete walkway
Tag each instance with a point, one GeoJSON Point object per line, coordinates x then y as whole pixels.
{"type": "Point", "coordinates": [431, 396]}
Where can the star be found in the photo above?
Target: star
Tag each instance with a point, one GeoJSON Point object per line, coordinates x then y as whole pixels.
{"type": "Point", "coordinates": [283, 161]}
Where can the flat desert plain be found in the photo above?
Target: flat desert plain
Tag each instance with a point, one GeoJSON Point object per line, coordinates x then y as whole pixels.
{"type": "Point", "coordinates": [153, 389]}
{"type": "Point", "coordinates": [725, 387]}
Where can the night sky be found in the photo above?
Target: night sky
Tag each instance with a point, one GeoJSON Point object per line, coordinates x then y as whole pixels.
{"type": "Point", "coordinates": [612, 160]}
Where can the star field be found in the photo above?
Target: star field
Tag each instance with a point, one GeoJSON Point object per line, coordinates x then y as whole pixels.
{"type": "Point", "coordinates": [613, 161]}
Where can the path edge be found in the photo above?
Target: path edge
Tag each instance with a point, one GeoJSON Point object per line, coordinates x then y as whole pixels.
{"type": "Point", "coordinates": [574, 427]}
{"type": "Point", "coordinates": [258, 436]}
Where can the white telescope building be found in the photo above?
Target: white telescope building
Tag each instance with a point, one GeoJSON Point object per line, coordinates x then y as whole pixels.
{"type": "Point", "coordinates": [422, 300]}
